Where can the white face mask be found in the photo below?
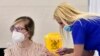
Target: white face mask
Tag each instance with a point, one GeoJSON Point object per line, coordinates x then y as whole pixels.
{"type": "Point", "coordinates": [17, 37]}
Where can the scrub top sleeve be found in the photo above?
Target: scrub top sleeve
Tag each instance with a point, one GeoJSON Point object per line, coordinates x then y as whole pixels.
{"type": "Point", "coordinates": [78, 33]}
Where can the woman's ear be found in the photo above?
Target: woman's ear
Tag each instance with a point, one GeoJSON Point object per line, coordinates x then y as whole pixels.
{"type": "Point", "coordinates": [27, 34]}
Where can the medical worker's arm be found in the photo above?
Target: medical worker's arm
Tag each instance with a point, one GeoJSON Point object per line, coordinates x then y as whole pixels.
{"type": "Point", "coordinates": [78, 50]}
{"type": "Point", "coordinates": [64, 51]}
{"type": "Point", "coordinates": [78, 34]}
{"type": "Point", "coordinates": [69, 52]}
{"type": "Point", "coordinates": [88, 53]}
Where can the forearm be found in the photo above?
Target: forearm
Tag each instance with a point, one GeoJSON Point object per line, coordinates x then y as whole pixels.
{"type": "Point", "coordinates": [88, 53]}
{"type": "Point", "coordinates": [77, 51]}
{"type": "Point", "coordinates": [85, 53]}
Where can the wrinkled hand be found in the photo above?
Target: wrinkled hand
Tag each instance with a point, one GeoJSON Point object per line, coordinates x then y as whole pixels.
{"type": "Point", "coordinates": [64, 51]}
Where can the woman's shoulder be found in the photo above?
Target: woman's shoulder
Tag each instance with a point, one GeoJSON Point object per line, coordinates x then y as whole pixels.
{"type": "Point", "coordinates": [39, 47]}
{"type": "Point", "coordinates": [87, 21]}
{"type": "Point", "coordinates": [79, 22]}
{"type": "Point", "coordinates": [10, 48]}
{"type": "Point", "coordinates": [7, 49]}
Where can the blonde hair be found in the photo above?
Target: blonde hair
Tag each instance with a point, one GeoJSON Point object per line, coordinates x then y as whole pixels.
{"type": "Point", "coordinates": [68, 13]}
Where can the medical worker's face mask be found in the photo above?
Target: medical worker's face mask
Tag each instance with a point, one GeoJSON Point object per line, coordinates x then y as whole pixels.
{"type": "Point", "coordinates": [67, 28]}
{"type": "Point", "coordinates": [17, 37]}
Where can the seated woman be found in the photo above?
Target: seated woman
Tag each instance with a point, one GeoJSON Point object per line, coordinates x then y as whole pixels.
{"type": "Point", "coordinates": [22, 32]}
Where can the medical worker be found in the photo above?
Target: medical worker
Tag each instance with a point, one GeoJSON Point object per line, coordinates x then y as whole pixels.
{"type": "Point", "coordinates": [84, 27]}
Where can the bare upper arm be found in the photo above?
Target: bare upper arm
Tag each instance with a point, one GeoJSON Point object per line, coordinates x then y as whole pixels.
{"type": "Point", "coordinates": [78, 50]}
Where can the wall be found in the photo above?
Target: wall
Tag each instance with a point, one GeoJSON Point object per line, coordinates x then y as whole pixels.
{"type": "Point", "coordinates": [40, 10]}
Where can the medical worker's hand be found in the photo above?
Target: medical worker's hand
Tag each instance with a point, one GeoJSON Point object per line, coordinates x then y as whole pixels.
{"type": "Point", "coordinates": [64, 51]}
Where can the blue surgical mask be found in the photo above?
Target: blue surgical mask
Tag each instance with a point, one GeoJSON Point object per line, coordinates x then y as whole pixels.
{"type": "Point", "coordinates": [67, 28]}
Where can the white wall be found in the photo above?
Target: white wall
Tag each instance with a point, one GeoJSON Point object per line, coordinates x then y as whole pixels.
{"type": "Point", "coordinates": [40, 10]}
{"type": "Point", "coordinates": [94, 7]}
